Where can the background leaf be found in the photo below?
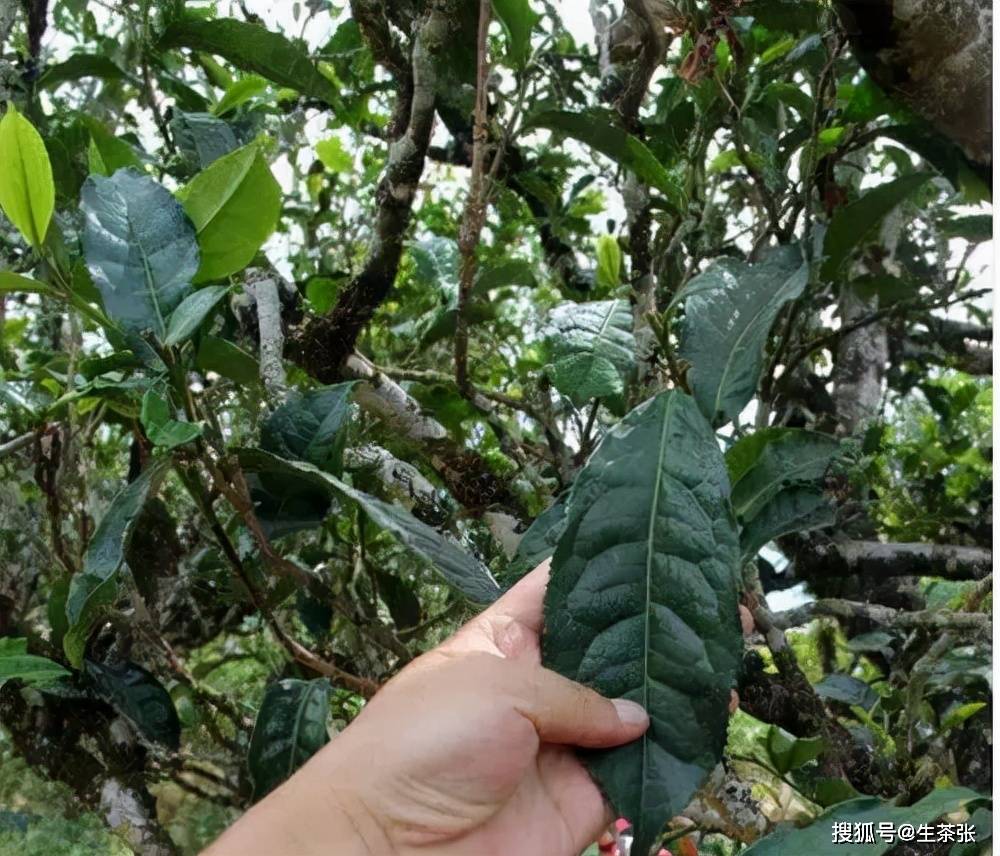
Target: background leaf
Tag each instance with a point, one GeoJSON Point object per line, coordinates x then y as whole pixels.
{"type": "Point", "coordinates": [251, 47]}
{"type": "Point", "coordinates": [96, 585]}
{"type": "Point", "coordinates": [160, 426]}
{"type": "Point", "coordinates": [462, 571]}
{"type": "Point", "coordinates": [311, 427]}
{"type": "Point", "coordinates": [585, 340]}
{"type": "Point", "coordinates": [140, 249]}
{"type": "Point", "coordinates": [518, 20]}
{"type": "Point", "coordinates": [728, 313]}
{"type": "Point", "coordinates": [137, 694]}
{"type": "Point", "coordinates": [852, 223]}
{"type": "Point", "coordinates": [290, 728]}
{"type": "Point", "coordinates": [597, 129]}
{"type": "Point", "coordinates": [793, 457]}
{"type": "Point", "coordinates": [192, 312]}
{"type": "Point", "coordinates": [796, 509]}
{"type": "Point", "coordinates": [234, 204]}
{"type": "Point", "coordinates": [27, 192]}
{"type": "Point", "coordinates": [816, 838]}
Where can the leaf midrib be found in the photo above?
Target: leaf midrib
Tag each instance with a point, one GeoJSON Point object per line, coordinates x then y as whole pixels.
{"type": "Point", "coordinates": [654, 506]}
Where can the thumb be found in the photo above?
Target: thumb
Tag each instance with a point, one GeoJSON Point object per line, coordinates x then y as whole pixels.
{"type": "Point", "coordinates": [564, 711]}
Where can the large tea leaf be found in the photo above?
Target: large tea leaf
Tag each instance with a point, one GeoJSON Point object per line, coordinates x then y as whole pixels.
{"type": "Point", "coordinates": [290, 729]}
{"type": "Point", "coordinates": [251, 47]}
{"type": "Point", "coordinates": [642, 603]}
{"type": "Point", "coordinates": [140, 248]}
{"type": "Point", "coordinates": [138, 695]}
{"type": "Point", "coordinates": [27, 192]}
{"type": "Point", "coordinates": [234, 205]}
{"type": "Point", "coordinates": [728, 313]}
{"type": "Point", "coordinates": [592, 348]}
{"type": "Point", "coordinates": [459, 569]}
{"type": "Point", "coordinates": [310, 427]}
{"type": "Point", "coordinates": [96, 586]}
{"type": "Point", "coordinates": [817, 839]}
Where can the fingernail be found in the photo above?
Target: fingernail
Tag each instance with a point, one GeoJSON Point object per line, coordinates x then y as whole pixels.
{"type": "Point", "coordinates": [629, 712]}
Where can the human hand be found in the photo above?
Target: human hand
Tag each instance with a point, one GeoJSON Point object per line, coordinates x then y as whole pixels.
{"type": "Point", "coordinates": [487, 764]}
{"type": "Point", "coordinates": [468, 750]}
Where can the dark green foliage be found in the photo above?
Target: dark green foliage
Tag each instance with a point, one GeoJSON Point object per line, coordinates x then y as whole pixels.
{"type": "Point", "coordinates": [728, 313]}
{"type": "Point", "coordinates": [139, 696]}
{"type": "Point", "coordinates": [311, 427]}
{"type": "Point", "coordinates": [290, 727]}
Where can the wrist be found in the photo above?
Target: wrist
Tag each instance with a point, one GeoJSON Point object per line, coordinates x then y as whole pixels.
{"type": "Point", "coordinates": [363, 824]}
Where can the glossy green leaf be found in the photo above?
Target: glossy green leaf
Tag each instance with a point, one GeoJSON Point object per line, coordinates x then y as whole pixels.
{"type": "Point", "coordinates": [728, 314]}
{"type": "Point", "coordinates": [769, 745]}
{"type": "Point", "coordinates": [140, 697]}
{"type": "Point", "coordinates": [311, 427]}
{"type": "Point", "coordinates": [792, 457]}
{"type": "Point", "coordinates": [460, 570]}
{"type": "Point", "coordinates": [853, 223]}
{"type": "Point", "coordinates": [140, 249]}
{"type": "Point", "coordinates": [96, 585]}
{"type": "Point", "coordinates": [17, 664]}
{"type": "Point", "coordinates": [239, 93]}
{"type": "Point", "coordinates": [400, 599]}
{"type": "Point", "coordinates": [642, 603]}
{"type": "Point", "coordinates": [291, 727]}
{"type": "Point", "coordinates": [234, 205]}
{"type": "Point", "coordinates": [952, 719]}
{"type": "Point", "coordinates": [27, 192]}
{"type": "Point", "coordinates": [12, 283]}
{"type": "Point", "coordinates": [251, 47]}
{"type": "Point", "coordinates": [795, 509]}
{"type": "Point", "coordinates": [601, 332]}
{"type": "Point", "coordinates": [192, 312]}
{"type": "Point", "coordinates": [816, 839]}
{"type": "Point", "coordinates": [518, 20]}
{"type": "Point", "coordinates": [597, 129]}
{"type": "Point", "coordinates": [160, 426]}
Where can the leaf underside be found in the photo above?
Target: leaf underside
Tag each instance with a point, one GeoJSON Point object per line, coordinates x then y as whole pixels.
{"type": "Point", "coordinates": [642, 603]}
